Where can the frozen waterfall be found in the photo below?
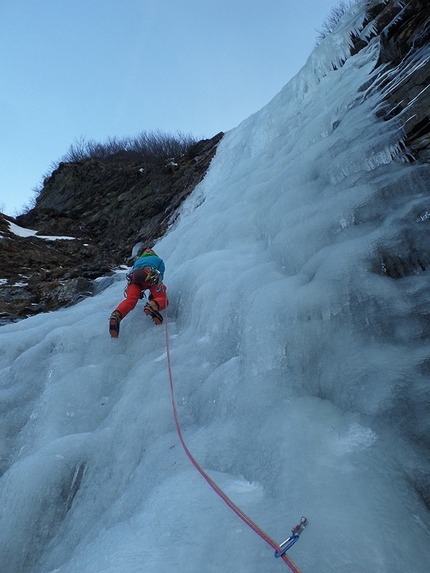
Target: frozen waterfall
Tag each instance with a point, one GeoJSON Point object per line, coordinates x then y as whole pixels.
{"type": "Point", "coordinates": [300, 368]}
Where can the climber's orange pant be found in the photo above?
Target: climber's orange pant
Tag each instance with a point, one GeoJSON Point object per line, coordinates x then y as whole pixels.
{"type": "Point", "coordinates": [132, 297]}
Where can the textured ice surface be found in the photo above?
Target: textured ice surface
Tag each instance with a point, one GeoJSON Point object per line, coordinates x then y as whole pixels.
{"type": "Point", "coordinates": [300, 372]}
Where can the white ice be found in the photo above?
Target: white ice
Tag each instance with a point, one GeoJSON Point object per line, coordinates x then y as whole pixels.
{"type": "Point", "coordinates": [298, 371]}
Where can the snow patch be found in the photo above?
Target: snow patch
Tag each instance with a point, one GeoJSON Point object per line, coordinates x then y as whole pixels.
{"type": "Point", "coordinates": [22, 232]}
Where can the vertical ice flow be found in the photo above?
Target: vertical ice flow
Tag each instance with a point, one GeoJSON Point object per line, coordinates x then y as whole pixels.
{"type": "Point", "coordinates": [300, 366]}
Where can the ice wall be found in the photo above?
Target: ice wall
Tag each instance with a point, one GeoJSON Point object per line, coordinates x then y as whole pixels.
{"type": "Point", "coordinates": [299, 367]}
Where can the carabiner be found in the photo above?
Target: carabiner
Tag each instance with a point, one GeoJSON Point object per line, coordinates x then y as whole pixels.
{"type": "Point", "coordinates": [296, 531]}
{"type": "Point", "coordinates": [291, 541]}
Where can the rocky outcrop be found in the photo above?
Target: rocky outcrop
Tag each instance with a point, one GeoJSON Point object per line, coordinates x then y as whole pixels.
{"type": "Point", "coordinates": [39, 275]}
{"type": "Point", "coordinates": [108, 206]}
{"type": "Point", "coordinates": [403, 68]}
{"type": "Point", "coordinates": [401, 78]}
{"type": "Point", "coordinates": [117, 202]}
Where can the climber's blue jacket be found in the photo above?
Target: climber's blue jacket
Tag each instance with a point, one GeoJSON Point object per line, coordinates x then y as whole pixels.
{"type": "Point", "coordinates": [149, 259]}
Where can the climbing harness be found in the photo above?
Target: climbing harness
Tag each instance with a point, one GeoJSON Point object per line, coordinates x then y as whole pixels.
{"type": "Point", "coordinates": [280, 550]}
{"type": "Point", "coordinates": [149, 275]}
{"type": "Point", "coordinates": [153, 276]}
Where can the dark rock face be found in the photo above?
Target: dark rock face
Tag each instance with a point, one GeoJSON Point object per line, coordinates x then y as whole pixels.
{"type": "Point", "coordinates": [108, 206]}
{"type": "Point", "coordinates": [403, 78]}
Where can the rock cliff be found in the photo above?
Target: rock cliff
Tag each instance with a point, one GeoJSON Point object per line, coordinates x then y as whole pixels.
{"type": "Point", "coordinates": [107, 206]}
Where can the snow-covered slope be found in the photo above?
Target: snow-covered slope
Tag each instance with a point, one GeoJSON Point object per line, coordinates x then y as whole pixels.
{"type": "Point", "coordinates": [299, 366]}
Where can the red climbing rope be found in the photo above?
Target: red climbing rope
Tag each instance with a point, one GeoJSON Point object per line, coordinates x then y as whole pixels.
{"type": "Point", "coordinates": [210, 481]}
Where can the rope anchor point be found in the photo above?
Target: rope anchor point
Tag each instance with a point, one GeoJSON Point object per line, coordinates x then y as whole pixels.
{"type": "Point", "coordinates": [297, 529]}
{"type": "Point", "coordinates": [289, 542]}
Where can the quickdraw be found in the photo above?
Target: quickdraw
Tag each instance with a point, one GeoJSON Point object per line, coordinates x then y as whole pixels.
{"type": "Point", "coordinates": [289, 542]}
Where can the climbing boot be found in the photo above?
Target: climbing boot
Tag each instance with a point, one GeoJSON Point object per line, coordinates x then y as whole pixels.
{"type": "Point", "coordinates": [115, 319]}
{"type": "Point", "coordinates": [151, 309]}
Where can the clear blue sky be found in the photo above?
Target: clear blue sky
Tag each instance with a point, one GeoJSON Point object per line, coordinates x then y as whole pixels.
{"type": "Point", "coordinates": [100, 68]}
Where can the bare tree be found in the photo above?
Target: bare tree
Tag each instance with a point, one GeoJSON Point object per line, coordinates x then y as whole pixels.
{"type": "Point", "coordinates": [152, 147]}
{"type": "Point", "coordinates": [333, 18]}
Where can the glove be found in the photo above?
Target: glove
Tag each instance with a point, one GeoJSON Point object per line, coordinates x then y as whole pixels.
{"type": "Point", "coordinates": [151, 309]}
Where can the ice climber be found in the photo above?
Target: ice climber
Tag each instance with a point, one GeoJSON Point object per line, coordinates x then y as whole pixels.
{"type": "Point", "coordinates": [146, 273]}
